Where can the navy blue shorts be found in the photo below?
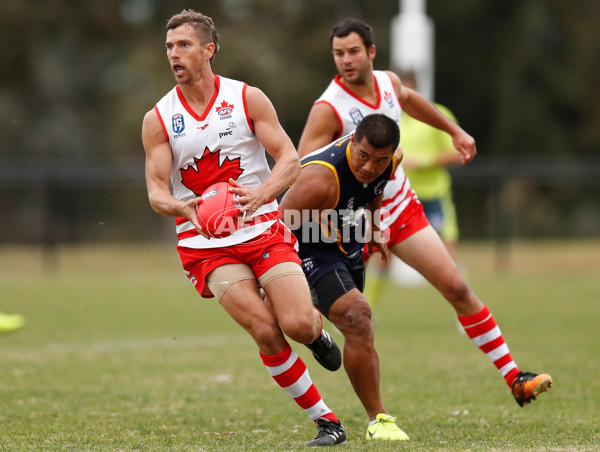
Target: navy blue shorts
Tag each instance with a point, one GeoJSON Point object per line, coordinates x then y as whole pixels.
{"type": "Point", "coordinates": [331, 277]}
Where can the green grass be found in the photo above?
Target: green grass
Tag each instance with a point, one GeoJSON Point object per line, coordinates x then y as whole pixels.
{"type": "Point", "coordinates": [119, 353]}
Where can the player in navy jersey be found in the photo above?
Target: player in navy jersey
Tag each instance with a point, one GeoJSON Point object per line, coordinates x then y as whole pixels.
{"type": "Point", "coordinates": [333, 209]}
{"type": "Point", "coordinates": [212, 129]}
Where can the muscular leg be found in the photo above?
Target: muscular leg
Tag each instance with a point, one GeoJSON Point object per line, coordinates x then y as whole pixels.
{"type": "Point", "coordinates": [426, 253]}
{"type": "Point", "coordinates": [244, 304]}
{"type": "Point", "coordinates": [351, 314]}
{"type": "Point", "coordinates": [290, 298]}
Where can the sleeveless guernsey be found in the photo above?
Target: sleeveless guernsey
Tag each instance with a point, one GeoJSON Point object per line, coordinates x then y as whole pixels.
{"type": "Point", "coordinates": [350, 109]}
{"type": "Point", "coordinates": [210, 147]}
{"type": "Point", "coordinates": [342, 231]}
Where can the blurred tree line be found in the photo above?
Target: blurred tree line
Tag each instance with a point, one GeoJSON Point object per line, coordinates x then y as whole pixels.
{"type": "Point", "coordinates": [76, 78]}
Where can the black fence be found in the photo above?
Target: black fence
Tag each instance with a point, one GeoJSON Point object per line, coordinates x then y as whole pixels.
{"type": "Point", "coordinates": [497, 198]}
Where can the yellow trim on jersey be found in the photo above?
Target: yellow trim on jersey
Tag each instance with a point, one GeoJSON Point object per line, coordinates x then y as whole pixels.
{"type": "Point", "coordinates": [327, 228]}
{"type": "Point", "coordinates": [348, 154]}
{"type": "Point", "coordinates": [332, 168]}
{"type": "Point", "coordinates": [339, 243]}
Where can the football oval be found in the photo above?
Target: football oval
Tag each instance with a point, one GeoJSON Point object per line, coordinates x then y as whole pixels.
{"type": "Point", "coordinates": [217, 211]}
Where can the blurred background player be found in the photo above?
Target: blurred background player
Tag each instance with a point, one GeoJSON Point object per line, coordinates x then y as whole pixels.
{"type": "Point", "coordinates": [428, 152]}
{"type": "Point", "coordinates": [11, 322]}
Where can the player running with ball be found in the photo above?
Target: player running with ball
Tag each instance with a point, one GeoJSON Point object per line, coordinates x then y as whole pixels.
{"type": "Point", "coordinates": [212, 129]}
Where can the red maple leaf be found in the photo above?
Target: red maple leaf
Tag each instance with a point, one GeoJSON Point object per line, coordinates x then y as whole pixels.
{"type": "Point", "coordinates": [208, 171]}
{"type": "Point", "coordinates": [224, 104]}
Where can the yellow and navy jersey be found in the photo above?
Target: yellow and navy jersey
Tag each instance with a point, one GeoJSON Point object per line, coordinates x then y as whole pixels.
{"type": "Point", "coordinates": [341, 230]}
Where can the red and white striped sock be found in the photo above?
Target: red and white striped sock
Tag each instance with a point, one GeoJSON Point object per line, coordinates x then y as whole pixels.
{"type": "Point", "coordinates": [485, 334]}
{"type": "Point", "coordinates": [290, 372]}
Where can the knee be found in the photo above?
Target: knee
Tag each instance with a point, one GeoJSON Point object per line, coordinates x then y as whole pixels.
{"type": "Point", "coordinates": [264, 331]}
{"type": "Point", "coordinates": [355, 321]}
{"type": "Point", "coordinates": [303, 329]}
{"type": "Point", "coordinates": [456, 290]}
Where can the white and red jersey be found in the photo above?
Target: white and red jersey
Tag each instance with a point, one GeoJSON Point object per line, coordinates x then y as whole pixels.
{"type": "Point", "coordinates": [210, 147]}
{"type": "Point", "coordinates": [350, 109]}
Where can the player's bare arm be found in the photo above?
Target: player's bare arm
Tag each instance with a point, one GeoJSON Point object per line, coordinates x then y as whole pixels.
{"type": "Point", "coordinates": [279, 146]}
{"type": "Point", "coordinates": [158, 172]}
{"type": "Point", "coordinates": [321, 128]}
{"type": "Point", "coordinates": [314, 190]}
{"type": "Point", "coordinates": [446, 158]}
{"type": "Point", "coordinates": [420, 108]}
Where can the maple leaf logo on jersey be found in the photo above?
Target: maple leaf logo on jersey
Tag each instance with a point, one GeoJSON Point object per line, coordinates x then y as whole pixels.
{"type": "Point", "coordinates": [224, 110]}
{"type": "Point", "coordinates": [208, 171]}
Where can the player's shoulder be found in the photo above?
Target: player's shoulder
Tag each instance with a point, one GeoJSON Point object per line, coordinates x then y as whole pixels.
{"type": "Point", "coordinates": [324, 112]}
{"type": "Point", "coordinates": [318, 181]}
{"type": "Point", "coordinates": [251, 92]}
{"type": "Point", "coordinates": [331, 153]}
{"type": "Point", "coordinates": [393, 78]}
{"type": "Point", "coordinates": [390, 74]}
{"type": "Point", "coordinates": [231, 86]}
{"type": "Point", "coordinates": [151, 119]}
{"type": "Point", "coordinates": [332, 92]}
{"type": "Point", "coordinates": [256, 102]}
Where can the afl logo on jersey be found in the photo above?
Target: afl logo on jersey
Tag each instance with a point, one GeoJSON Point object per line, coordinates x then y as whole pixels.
{"type": "Point", "coordinates": [356, 115]}
{"type": "Point", "coordinates": [224, 110]}
{"type": "Point", "coordinates": [178, 124]}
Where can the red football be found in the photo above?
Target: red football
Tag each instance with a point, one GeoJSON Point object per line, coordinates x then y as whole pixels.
{"type": "Point", "coordinates": [218, 213]}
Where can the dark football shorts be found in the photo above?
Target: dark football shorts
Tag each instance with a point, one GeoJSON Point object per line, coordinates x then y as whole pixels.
{"type": "Point", "coordinates": [332, 285]}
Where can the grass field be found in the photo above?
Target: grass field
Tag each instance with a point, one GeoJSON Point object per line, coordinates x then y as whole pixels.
{"type": "Point", "coordinates": [120, 353]}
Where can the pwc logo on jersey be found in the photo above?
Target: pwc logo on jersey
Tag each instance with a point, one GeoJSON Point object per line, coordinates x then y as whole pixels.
{"type": "Point", "coordinates": [178, 125]}
{"type": "Point", "coordinates": [228, 131]}
{"type": "Point", "coordinates": [224, 110]}
{"type": "Point", "coordinates": [356, 115]}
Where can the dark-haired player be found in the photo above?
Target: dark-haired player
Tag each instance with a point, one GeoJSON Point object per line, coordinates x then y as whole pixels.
{"type": "Point", "coordinates": [339, 193]}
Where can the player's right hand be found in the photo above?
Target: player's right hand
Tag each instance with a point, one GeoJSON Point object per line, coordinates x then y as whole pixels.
{"type": "Point", "coordinates": [189, 211]}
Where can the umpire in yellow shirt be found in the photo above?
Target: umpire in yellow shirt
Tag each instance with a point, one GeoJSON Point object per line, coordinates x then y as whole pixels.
{"type": "Point", "coordinates": [428, 152]}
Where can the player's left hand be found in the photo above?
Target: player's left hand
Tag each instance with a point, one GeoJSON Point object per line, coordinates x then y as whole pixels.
{"type": "Point", "coordinates": [250, 199]}
{"type": "Point", "coordinates": [378, 239]}
{"type": "Point", "coordinates": [465, 144]}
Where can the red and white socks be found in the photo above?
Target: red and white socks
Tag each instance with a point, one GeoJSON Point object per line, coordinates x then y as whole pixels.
{"type": "Point", "coordinates": [290, 372]}
{"type": "Point", "coordinates": [485, 334]}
